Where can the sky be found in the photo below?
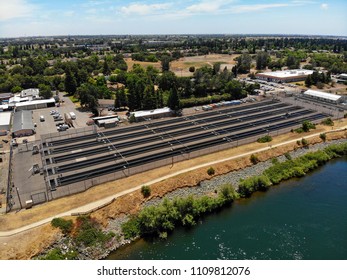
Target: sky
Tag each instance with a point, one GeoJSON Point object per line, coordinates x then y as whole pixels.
{"type": "Point", "coordinates": [20, 18]}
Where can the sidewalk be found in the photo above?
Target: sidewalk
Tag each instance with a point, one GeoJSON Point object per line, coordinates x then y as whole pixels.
{"type": "Point", "coordinates": [101, 202]}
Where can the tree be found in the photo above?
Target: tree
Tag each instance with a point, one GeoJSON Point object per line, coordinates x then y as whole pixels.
{"type": "Point", "coordinates": [45, 91]}
{"type": "Point", "coordinates": [234, 88]}
{"type": "Point", "coordinates": [191, 69]}
{"type": "Point", "coordinates": [173, 100]}
{"type": "Point", "coordinates": [262, 60]}
{"type": "Point", "coordinates": [121, 99]}
{"type": "Point", "coordinates": [244, 63]}
{"type": "Point", "coordinates": [165, 63]}
{"type": "Point", "coordinates": [70, 82]}
{"type": "Point", "coordinates": [106, 68]}
{"type": "Point", "coordinates": [149, 98]}
{"type": "Point", "coordinates": [146, 191]}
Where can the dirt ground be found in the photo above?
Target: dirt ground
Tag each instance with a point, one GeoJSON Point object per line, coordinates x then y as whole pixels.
{"type": "Point", "coordinates": [30, 243]}
{"type": "Point", "coordinates": [181, 67]}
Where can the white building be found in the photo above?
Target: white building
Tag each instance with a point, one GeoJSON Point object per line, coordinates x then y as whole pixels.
{"type": "Point", "coordinates": [324, 96]}
{"type": "Point", "coordinates": [152, 114]}
{"type": "Point", "coordinates": [5, 120]}
{"type": "Point", "coordinates": [30, 92]}
{"type": "Point", "coordinates": [286, 76]}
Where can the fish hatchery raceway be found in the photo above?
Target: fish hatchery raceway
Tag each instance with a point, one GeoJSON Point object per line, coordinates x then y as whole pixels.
{"type": "Point", "coordinates": [139, 144]}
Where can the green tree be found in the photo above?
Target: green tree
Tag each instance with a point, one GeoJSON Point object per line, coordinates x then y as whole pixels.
{"type": "Point", "coordinates": [146, 191]}
{"type": "Point", "coordinates": [262, 60]}
{"type": "Point", "coordinates": [149, 98]}
{"type": "Point", "coordinates": [173, 100]}
{"type": "Point", "coordinates": [45, 91]}
{"type": "Point", "coordinates": [121, 99]}
{"type": "Point", "coordinates": [70, 82]}
{"type": "Point", "coordinates": [165, 63]}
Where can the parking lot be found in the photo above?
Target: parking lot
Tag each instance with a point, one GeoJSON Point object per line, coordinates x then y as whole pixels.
{"type": "Point", "coordinates": [49, 125]}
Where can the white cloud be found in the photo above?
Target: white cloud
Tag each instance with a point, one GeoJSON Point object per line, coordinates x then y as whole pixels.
{"type": "Point", "coordinates": [144, 9]}
{"type": "Point", "coordinates": [324, 6]}
{"type": "Point", "coordinates": [208, 6]}
{"type": "Point", "coordinates": [257, 7]}
{"type": "Point", "coordinates": [10, 9]}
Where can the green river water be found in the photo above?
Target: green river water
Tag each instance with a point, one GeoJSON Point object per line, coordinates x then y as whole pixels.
{"type": "Point", "coordinates": [299, 219]}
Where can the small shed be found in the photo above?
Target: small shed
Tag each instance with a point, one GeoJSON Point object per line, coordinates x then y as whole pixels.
{"type": "Point", "coordinates": [23, 124]}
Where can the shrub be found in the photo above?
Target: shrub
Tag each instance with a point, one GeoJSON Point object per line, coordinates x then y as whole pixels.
{"type": "Point", "coordinates": [254, 159]}
{"type": "Point", "coordinates": [89, 233]}
{"type": "Point", "coordinates": [65, 225]}
{"type": "Point", "coordinates": [210, 171]}
{"type": "Point", "coordinates": [323, 136]}
{"type": "Point", "coordinates": [328, 121]}
{"type": "Point", "coordinates": [298, 142]}
{"type": "Point", "coordinates": [288, 156]}
{"type": "Point", "coordinates": [304, 142]}
{"type": "Point", "coordinates": [264, 139]}
{"type": "Point", "coordinates": [274, 161]}
{"type": "Point", "coordinates": [146, 191]}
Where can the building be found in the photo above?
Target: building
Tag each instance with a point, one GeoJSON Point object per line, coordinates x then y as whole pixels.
{"type": "Point", "coordinates": [106, 103]}
{"type": "Point", "coordinates": [286, 76]}
{"type": "Point", "coordinates": [23, 124]}
{"type": "Point", "coordinates": [35, 104]}
{"type": "Point", "coordinates": [152, 114]}
{"type": "Point", "coordinates": [33, 93]}
{"type": "Point", "coordinates": [342, 78]}
{"type": "Point", "coordinates": [324, 96]}
{"type": "Point", "coordinates": [5, 120]}
{"type": "Point", "coordinates": [5, 97]}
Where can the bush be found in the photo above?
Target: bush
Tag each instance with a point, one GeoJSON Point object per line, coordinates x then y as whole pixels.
{"type": "Point", "coordinates": [298, 142]}
{"type": "Point", "coordinates": [264, 139]}
{"type": "Point", "coordinates": [210, 171]}
{"type": "Point", "coordinates": [274, 161]}
{"type": "Point", "coordinates": [64, 225]}
{"type": "Point", "coordinates": [304, 142]}
{"type": "Point", "coordinates": [328, 122]}
{"type": "Point", "coordinates": [288, 156]}
{"type": "Point", "coordinates": [89, 232]}
{"type": "Point", "coordinates": [254, 159]}
{"type": "Point", "coordinates": [323, 136]}
{"type": "Point", "coordinates": [146, 191]}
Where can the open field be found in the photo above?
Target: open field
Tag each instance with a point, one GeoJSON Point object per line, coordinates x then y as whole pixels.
{"type": "Point", "coordinates": [181, 67]}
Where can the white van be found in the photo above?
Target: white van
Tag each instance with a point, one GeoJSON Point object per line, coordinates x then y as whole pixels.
{"type": "Point", "coordinates": [72, 115]}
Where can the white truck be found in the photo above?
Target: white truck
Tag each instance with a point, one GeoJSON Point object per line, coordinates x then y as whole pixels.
{"type": "Point", "coordinates": [72, 115]}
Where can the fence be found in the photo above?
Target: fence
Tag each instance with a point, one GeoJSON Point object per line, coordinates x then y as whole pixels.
{"type": "Point", "coordinates": [9, 202]}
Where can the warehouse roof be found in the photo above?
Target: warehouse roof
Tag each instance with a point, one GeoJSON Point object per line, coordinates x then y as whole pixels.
{"type": "Point", "coordinates": [22, 120]}
{"type": "Point", "coordinates": [5, 118]}
{"type": "Point", "coordinates": [150, 113]}
{"type": "Point", "coordinates": [288, 73]}
{"type": "Point", "coordinates": [324, 95]}
{"type": "Point", "coordinates": [35, 102]}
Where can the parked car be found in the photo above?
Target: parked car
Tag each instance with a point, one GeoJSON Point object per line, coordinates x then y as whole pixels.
{"type": "Point", "coordinates": [42, 118]}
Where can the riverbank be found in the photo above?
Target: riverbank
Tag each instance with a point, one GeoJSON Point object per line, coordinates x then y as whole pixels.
{"type": "Point", "coordinates": [205, 187]}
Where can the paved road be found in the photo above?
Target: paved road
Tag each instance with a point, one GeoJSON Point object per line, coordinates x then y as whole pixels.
{"type": "Point", "coordinates": [103, 201]}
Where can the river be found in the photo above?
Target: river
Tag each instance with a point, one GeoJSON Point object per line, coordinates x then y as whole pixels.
{"type": "Point", "coordinates": [299, 219]}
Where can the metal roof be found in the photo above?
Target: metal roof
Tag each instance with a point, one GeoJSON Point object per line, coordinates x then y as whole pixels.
{"type": "Point", "coordinates": [22, 120]}
{"type": "Point", "coordinates": [288, 73]}
{"type": "Point", "coordinates": [5, 118]}
{"type": "Point", "coordinates": [143, 114]}
{"type": "Point", "coordinates": [35, 102]}
{"type": "Point", "coordinates": [324, 95]}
